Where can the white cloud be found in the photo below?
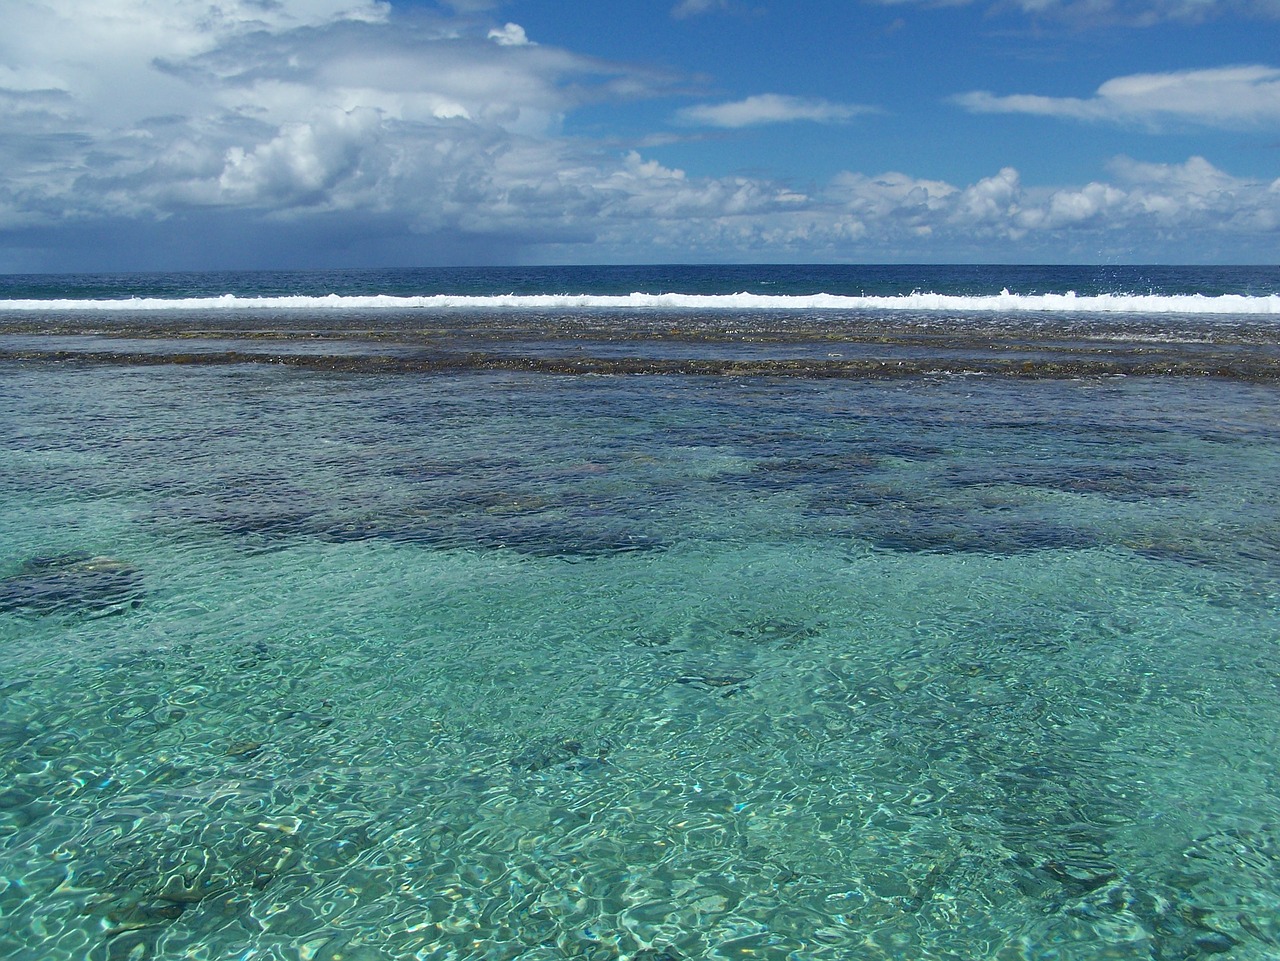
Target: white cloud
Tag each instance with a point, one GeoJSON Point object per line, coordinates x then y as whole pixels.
{"type": "Point", "coordinates": [103, 55]}
{"type": "Point", "coordinates": [1191, 211]}
{"type": "Point", "coordinates": [1222, 97]}
{"type": "Point", "coordinates": [138, 107]}
{"type": "Point", "coordinates": [1170, 195]}
{"type": "Point", "coordinates": [692, 8]}
{"type": "Point", "coordinates": [321, 121]}
{"type": "Point", "coordinates": [511, 35]}
{"type": "Point", "coordinates": [1147, 208]}
{"type": "Point", "coordinates": [302, 165]}
{"type": "Point", "coordinates": [892, 198]}
{"type": "Point", "coordinates": [1139, 13]}
{"type": "Point", "coordinates": [768, 108]}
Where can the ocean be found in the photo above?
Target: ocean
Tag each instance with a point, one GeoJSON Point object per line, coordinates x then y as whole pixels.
{"type": "Point", "coordinates": [646, 613]}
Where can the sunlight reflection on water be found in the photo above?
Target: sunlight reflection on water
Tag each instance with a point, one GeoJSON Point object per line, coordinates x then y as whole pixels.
{"type": "Point", "coordinates": [510, 666]}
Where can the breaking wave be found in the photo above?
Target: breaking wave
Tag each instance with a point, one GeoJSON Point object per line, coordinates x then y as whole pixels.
{"type": "Point", "coordinates": [1003, 302]}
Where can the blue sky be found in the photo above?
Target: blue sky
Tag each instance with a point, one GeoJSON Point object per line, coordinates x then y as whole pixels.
{"type": "Point", "coordinates": [187, 134]}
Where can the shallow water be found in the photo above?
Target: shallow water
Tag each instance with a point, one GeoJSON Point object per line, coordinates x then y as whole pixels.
{"type": "Point", "coordinates": [507, 665]}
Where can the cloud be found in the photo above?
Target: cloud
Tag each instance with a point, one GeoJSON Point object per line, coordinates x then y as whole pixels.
{"type": "Point", "coordinates": [145, 108]}
{"type": "Point", "coordinates": [768, 108]}
{"type": "Point", "coordinates": [1230, 97]}
{"type": "Point", "coordinates": [1146, 206]}
{"type": "Point", "coordinates": [1139, 13]}
{"type": "Point", "coordinates": [1189, 212]}
{"type": "Point", "coordinates": [148, 133]}
{"type": "Point", "coordinates": [1171, 195]}
{"type": "Point", "coordinates": [511, 35]}
{"type": "Point", "coordinates": [693, 8]}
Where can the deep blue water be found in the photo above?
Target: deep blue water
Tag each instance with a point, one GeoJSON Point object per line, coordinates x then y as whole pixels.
{"type": "Point", "coordinates": [530, 630]}
{"type": "Point", "coordinates": [709, 279]}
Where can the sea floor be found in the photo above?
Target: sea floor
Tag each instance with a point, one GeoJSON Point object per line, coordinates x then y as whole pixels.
{"type": "Point", "coordinates": [298, 665]}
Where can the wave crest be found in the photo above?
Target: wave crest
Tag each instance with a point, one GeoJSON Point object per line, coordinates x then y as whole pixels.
{"type": "Point", "coordinates": [1003, 302]}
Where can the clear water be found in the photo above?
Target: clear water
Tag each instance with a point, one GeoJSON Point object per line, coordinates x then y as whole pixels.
{"type": "Point", "coordinates": [507, 665]}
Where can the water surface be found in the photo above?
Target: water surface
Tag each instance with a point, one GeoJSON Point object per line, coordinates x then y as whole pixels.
{"type": "Point", "coordinates": [514, 660]}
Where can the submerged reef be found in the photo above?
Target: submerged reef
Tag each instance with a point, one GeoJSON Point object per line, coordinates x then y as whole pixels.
{"type": "Point", "coordinates": [71, 583]}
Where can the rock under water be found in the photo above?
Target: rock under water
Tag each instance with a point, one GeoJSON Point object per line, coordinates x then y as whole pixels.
{"type": "Point", "coordinates": [71, 583]}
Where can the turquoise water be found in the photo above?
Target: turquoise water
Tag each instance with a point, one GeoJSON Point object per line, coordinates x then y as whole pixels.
{"type": "Point", "coordinates": [505, 665]}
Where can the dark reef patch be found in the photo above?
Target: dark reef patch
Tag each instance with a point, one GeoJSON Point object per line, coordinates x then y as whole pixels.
{"type": "Point", "coordinates": [1125, 482]}
{"type": "Point", "coordinates": [973, 535]}
{"type": "Point", "coordinates": [70, 584]}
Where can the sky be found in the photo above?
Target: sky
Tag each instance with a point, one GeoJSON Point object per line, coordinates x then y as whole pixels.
{"type": "Point", "coordinates": [237, 134]}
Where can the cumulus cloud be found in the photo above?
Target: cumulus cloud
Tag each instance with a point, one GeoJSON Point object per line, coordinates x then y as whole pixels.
{"type": "Point", "coordinates": [769, 108]}
{"type": "Point", "coordinates": [511, 35]}
{"type": "Point", "coordinates": [1143, 208]}
{"type": "Point", "coordinates": [1000, 215]}
{"type": "Point", "coordinates": [1139, 13]}
{"type": "Point", "coordinates": [140, 106]}
{"type": "Point", "coordinates": [1237, 96]}
{"type": "Point", "coordinates": [363, 131]}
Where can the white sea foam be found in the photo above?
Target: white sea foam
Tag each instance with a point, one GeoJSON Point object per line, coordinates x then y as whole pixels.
{"type": "Point", "coordinates": [1004, 302]}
